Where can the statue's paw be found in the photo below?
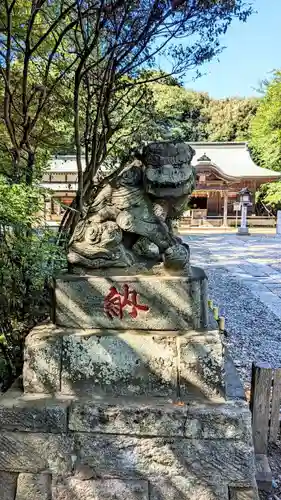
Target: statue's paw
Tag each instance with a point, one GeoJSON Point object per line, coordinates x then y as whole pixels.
{"type": "Point", "coordinates": [177, 256]}
{"type": "Point", "coordinates": [73, 257]}
{"type": "Point", "coordinates": [146, 248]}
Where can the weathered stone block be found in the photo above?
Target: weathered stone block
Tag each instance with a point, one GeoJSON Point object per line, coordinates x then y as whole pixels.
{"type": "Point", "coordinates": [32, 452]}
{"type": "Point", "coordinates": [201, 362]}
{"type": "Point", "coordinates": [219, 421]}
{"type": "Point", "coordinates": [42, 360]}
{"type": "Point", "coordinates": [203, 346]}
{"type": "Point", "coordinates": [94, 489]}
{"type": "Point", "coordinates": [32, 413]}
{"type": "Point", "coordinates": [166, 302]}
{"type": "Point", "coordinates": [8, 485]}
{"type": "Point", "coordinates": [125, 363]}
{"type": "Point", "coordinates": [199, 420]}
{"type": "Point", "coordinates": [243, 494]}
{"type": "Point", "coordinates": [263, 472]}
{"type": "Point", "coordinates": [131, 418]}
{"type": "Point", "coordinates": [186, 488]}
{"type": "Point", "coordinates": [122, 362]}
{"type": "Point", "coordinates": [34, 487]}
{"type": "Point", "coordinates": [213, 461]}
{"type": "Point", "coordinates": [232, 384]}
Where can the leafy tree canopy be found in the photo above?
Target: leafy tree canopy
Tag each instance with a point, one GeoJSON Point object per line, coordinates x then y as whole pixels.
{"type": "Point", "coordinates": [179, 114]}
{"type": "Point", "coordinates": [229, 119]}
{"type": "Point", "coordinates": [268, 198]}
{"type": "Point", "coordinates": [18, 203]}
{"type": "Point", "coordinates": [266, 126]}
{"type": "Point", "coordinates": [265, 139]}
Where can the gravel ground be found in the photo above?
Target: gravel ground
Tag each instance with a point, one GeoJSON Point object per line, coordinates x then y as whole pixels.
{"type": "Point", "coordinates": [253, 331]}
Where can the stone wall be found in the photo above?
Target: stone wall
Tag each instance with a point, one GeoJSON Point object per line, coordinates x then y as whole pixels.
{"type": "Point", "coordinates": [68, 449]}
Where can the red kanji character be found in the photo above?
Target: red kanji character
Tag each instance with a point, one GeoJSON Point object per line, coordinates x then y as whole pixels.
{"type": "Point", "coordinates": [114, 303]}
{"type": "Point", "coordinates": [132, 302]}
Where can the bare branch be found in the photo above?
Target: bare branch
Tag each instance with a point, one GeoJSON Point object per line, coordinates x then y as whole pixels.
{"type": "Point", "coordinates": [51, 29]}
{"type": "Point", "coordinates": [7, 72]}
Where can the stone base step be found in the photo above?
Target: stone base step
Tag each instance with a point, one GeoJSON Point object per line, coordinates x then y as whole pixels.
{"type": "Point", "coordinates": [155, 416]}
{"type": "Point", "coordinates": [67, 448]}
{"type": "Point", "coordinates": [264, 474]}
{"type": "Point", "coordinates": [161, 363]}
{"type": "Point", "coordinates": [42, 486]}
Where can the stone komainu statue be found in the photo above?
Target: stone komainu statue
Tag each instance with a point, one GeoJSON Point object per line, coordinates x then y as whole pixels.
{"type": "Point", "coordinates": [128, 221]}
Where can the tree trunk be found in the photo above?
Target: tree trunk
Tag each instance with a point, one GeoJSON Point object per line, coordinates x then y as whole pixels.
{"type": "Point", "coordinates": [30, 168]}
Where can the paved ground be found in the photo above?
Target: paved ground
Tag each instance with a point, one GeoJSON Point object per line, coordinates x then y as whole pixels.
{"type": "Point", "coordinates": [245, 282]}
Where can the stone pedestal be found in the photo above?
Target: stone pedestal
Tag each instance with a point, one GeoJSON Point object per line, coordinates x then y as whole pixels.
{"type": "Point", "coordinates": [162, 302]}
{"type": "Point", "coordinates": [113, 408]}
{"type": "Point", "coordinates": [243, 231]}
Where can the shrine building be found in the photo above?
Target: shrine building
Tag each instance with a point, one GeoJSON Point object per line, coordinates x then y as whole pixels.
{"type": "Point", "coordinates": [222, 170]}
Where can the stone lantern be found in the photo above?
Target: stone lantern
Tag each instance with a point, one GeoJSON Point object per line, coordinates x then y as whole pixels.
{"type": "Point", "coordinates": [245, 199]}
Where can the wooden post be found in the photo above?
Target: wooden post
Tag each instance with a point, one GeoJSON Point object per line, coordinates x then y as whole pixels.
{"type": "Point", "coordinates": [204, 303]}
{"type": "Point", "coordinates": [221, 323]}
{"type": "Point", "coordinates": [253, 207]}
{"type": "Point", "coordinates": [275, 406]}
{"type": "Point", "coordinates": [225, 201]}
{"type": "Point", "coordinates": [259, 404]}
{"type": "Point", "coordinates": [216, 313]}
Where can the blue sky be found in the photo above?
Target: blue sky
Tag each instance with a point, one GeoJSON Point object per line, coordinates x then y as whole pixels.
{"type": "Point", "coordinates": [253, 50]}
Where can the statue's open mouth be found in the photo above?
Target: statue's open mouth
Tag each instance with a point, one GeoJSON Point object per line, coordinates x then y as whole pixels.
{"type": "Point", "coordinates": [176, 186]}
{"type": "Point", "coordinates": [168, 176]}
{"type": "Point", "coordinates": [167, 190]}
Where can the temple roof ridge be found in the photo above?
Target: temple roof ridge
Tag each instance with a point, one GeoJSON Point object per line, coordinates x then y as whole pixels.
{"type": "Point", "coordinates": [232, 159]}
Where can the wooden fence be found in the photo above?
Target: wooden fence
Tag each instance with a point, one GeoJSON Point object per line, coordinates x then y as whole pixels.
{"type": "Point", "coordinates": [217, 221]}
{"type": "Point", "coordinates": [265, 407]}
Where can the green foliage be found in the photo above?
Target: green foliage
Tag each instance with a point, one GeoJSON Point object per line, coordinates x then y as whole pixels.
{"type": "Point", "coordinates": [266, 126]}
{"type": "Point", "coordinates": [27, 263]}
{"type": "Point", "coordinates": [229, 119]}
{"type": "Point", "coordinates": [169, 111]}
{"type": "Point", "coordinates": [28, 260]}
{"type": "Point", "coordinates": [265, 141]}
{"type": "Point", "coordinates": [19, 203]}
{"type": "Point", "coordinates": [179, 114]}
{"type": "Point", "coordinates": [269, 196]}
{"type": "Point", "coordinates": [35, 95]}
{"type": "Point", "coordinates": [131, 118]}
